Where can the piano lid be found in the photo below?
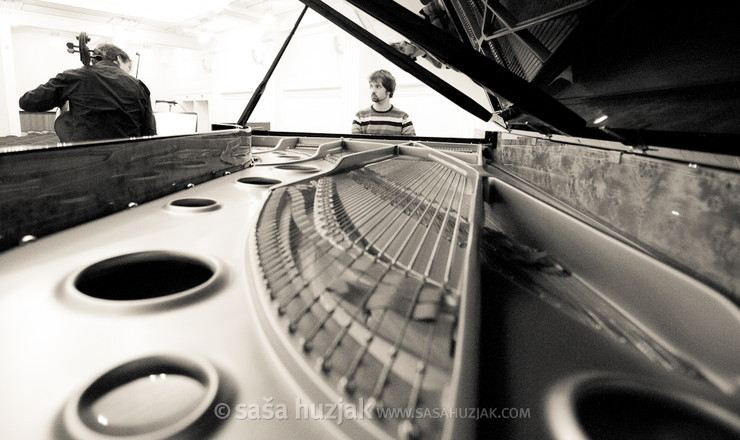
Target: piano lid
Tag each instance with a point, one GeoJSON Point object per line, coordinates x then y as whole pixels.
{"type": "Point", "coordinates": [656, 73]}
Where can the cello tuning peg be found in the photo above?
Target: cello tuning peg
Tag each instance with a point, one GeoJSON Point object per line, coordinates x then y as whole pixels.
{"type": "Point", "coordinates": [70, 46]}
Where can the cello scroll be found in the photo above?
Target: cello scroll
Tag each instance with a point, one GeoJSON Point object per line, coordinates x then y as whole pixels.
{"type": "Point", "coordinates": [86, 55]}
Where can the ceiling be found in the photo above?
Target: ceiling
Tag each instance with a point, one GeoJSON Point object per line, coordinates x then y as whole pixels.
{"type": "Point", "coordinates": [168, 22]}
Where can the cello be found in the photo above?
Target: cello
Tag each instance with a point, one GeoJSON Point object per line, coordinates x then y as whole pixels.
{"type": "Point", "coordinates": [63, 123]}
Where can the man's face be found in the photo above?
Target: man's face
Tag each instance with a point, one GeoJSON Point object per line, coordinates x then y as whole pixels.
{"type": "Point", "coordinates": [377, 91]}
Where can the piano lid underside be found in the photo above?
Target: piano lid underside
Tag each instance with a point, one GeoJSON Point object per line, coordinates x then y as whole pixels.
{"type": "Point", "coordinates": [663, 74]}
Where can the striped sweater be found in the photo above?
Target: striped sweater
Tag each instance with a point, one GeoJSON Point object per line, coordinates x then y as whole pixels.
{"type": "Point", "coordinates": [393, 121]}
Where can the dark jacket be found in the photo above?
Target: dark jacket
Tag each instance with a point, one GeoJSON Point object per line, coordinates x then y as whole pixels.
{"type": "Point", "coordinates": [104, 102]}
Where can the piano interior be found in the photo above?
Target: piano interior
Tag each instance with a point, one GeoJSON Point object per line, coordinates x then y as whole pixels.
{"type": "Point", "coordinates": [538, 281]}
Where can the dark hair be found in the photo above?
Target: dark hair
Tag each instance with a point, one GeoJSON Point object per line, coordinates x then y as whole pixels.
{"type": "Point", "coordinates": [110, 52]}
{"type": "Point", "coordinates": [384, 77]}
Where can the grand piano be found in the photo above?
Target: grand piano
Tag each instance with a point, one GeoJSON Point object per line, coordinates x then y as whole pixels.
{"type": "Point", "coordinates": [572, 273]}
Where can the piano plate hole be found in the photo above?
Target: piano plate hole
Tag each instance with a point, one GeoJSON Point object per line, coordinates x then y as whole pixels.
{"type": "Point", "coordinates": [614, 412]}
{"type": "Point", "coordinates": [300, 168]}
{"type": "Point", "coordinates": [288, 156]}
{"type": "Point", "coordinates": [194, 204]}
{"type": "Point", "coordinates": [155, 397]}
{"type": "Point", "coordinates": [259, 181]}
{"type": "Point", "coordinates": [143, 275]}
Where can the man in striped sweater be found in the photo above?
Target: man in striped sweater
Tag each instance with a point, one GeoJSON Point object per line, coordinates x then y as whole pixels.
{"type": "Point", "coordinates": [382, 117]}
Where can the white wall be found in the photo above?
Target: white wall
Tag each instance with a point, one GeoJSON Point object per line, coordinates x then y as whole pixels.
{"type": "Point", "coordinates": [9, 120]}
{"type": "Point", "coordinates": [40, 54]}
{"type": "Point", "coordinates": [317, 87]}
